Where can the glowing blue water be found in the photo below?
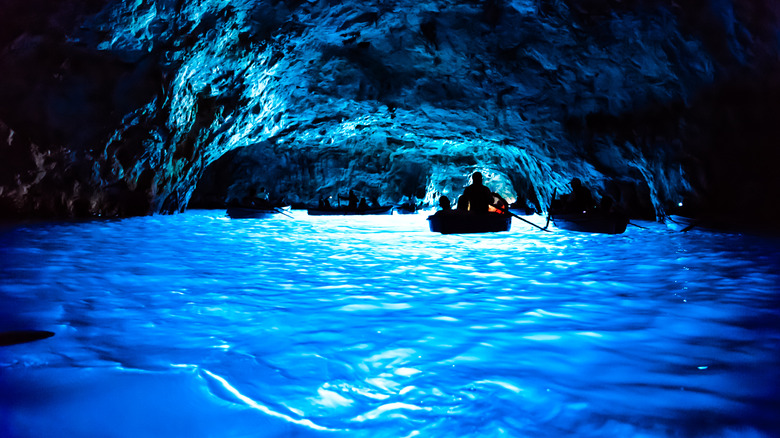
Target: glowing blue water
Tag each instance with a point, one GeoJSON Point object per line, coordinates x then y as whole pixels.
{"type": "Point", "coordinates": [195, 325]}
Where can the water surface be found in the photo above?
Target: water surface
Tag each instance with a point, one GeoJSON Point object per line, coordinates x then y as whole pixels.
{"type": "Point", "coordinates": [196, 325]}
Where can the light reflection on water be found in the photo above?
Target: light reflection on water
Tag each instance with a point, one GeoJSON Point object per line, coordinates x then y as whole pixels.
{"type": "Point", "coordinates": [198, 325]}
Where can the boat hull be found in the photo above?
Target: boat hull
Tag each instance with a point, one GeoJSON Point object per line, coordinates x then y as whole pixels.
{"type": "Point", "coordinates": [455, 222]}
{"type": "Point", "coordinates": [680, 223]}
{"type": "Point", "coordinates": [349, 211]}
{"type": "Point", "coordinates": [254, 213]}
{"type": "Point", "coordinates": [591, 223]}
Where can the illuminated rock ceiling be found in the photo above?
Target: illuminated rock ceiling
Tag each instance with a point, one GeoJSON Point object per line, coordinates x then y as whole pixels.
{"type": "Point", "coordinates": [119, 108]}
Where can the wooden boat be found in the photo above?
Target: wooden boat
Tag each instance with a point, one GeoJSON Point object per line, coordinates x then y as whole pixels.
{"type": "Point", "coordinates": [406, 209]}
{"type": "Point", "coordinates": [680, 223]}
{"type": "Point", "coordinates": [591, 222]}
{"type": "Point", "coordinates": [458, 222]}
{"type": "Point", "coordinates": [340, 211]}
{"type": "Point", "coordinates": [255, 213]}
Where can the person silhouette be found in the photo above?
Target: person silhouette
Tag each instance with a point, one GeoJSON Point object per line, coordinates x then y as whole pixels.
{"type": "Point", "coordinates": [607, 205]}
{"type": "Point", "coordinates": [262, 199]}
{"type": "Point", "coordinates": [324, 203]}
{"type": "Point", "coordinates": [580, 200]}
{"type": "Point", "coordinates": [353, 200]}
{"type": "Point", "coordinates": [476, 198]}
{"type": "Point", "coordinates": [444, 203]}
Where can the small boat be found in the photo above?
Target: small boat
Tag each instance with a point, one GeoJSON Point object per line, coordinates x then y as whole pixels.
{"type": "Point", "coordinates": [591, 222]}
{"type": "Point", "coordinates": [458, 222]}
{"type": "Point", "coordinates": [255, 212]}
{"type": "Point", "coordinates": [406, 209]}
{"type": "Point", "coordinates": [340, 211]}
{"type": "Point", "coordinates": [680, 223]}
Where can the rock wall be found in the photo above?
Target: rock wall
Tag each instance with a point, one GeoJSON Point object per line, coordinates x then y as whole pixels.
{"type": "Point", "coordinates": [115, 108]}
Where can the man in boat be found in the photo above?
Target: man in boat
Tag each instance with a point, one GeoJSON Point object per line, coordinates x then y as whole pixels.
{"type": "Point", "coordinates": [580, 200]}
{"type": "Point", "coordinates": [261, 200]}
{"type": "Point", "coordinates": [476, 198]}
{"type": "Point", "coordinates": [256, 200]}
{"type": "Point", "coordinates": [352, 199]}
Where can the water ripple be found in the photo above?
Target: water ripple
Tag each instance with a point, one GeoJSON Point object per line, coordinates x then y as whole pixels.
{"type": "Point", "coordinates": [377, 327]}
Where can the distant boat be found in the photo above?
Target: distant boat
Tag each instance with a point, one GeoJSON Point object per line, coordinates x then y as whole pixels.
{"type": "Point", "coordinates": [459, 222]}
{"type": "Point", "coordinates": [406, 209]}
{"type": "Point", "coordinates": [591, 222]}
{"type": "Point", "coordinates": [680, 223]}
{"type": "Point", "coordinates": [341, 211]}
{"type": "Point", "coordinates": [256, 213]}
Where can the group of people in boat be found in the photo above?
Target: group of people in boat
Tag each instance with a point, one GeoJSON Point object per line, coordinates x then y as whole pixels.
{"type": "Point", "coordinates": [580, 201]}
{"type": "Point", "coordinates": [353, 202]}
{"type": "Point", "coordinates": [256, 199]}
{"type": "Point", "coordinates": [478, 198]}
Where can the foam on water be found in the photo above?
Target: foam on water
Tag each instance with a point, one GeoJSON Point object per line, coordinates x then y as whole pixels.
{"type": "Point", "coordinates": [198, 325]}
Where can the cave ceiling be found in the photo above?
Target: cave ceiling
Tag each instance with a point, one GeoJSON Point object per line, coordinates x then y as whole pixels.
{"type": "Point", "coordinates": [119, 108]}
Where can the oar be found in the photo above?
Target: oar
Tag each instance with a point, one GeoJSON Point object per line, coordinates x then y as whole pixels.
{"type": "Point", "coordinates": [279, 210]}
{"type": "Point", "coordinates": [549, 208]}
{"type": "Point", "coordinates": [693, 224]}
{"type": "Point", "coordinates": [528, 222]}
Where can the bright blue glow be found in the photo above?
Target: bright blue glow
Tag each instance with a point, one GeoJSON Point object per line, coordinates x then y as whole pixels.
{"type": "Point", "coordinates": [376, 327]}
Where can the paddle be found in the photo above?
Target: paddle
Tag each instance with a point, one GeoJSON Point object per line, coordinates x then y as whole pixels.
{"type": "Point", "coordinates": [549, 208]}
{"type": "Point", "coordinates": [693, 224]}
{"type": "Point", "coordinates": [279, 210]}
{"type": "Point", "coordinates": [528, 222]}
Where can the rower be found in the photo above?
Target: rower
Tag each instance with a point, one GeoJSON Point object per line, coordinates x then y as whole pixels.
{"type": "Point", "coordinates": [476, 198]}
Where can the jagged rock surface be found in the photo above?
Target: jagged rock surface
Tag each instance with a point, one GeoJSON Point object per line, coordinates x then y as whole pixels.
{"type": "Point", "coordinates": [118, 108]}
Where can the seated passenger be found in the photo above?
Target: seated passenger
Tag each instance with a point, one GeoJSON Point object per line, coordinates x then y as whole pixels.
{"type": "Point", "coordinates": [580, 200]}
{"type": "Point", "coordinates": [261, 200]}
{"type": "Point", "coordinates": [353, 200]}
{"type": "Point", "coordinates": [607, 205]}
{"type": "Point", "coordinates": [444, 203]}
{"type": "Point", "coordinates": [324, 204]}
{"type": "Point", "coordinates": [498, 204]}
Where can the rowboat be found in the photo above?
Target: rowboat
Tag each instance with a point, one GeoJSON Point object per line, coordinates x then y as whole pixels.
{"type": "Point", "coordinates": [591, 222]}
{"type": "Point", "coordinates": [680, 223]}
{"type": "Point", "coordinates": [406, 209]}
{"type": "Point", "coordinates": [255, 213]}
{"type": "Point", "coordinates": [385, 209]}
{"type": "Point", "coordinates": [458, 222]}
